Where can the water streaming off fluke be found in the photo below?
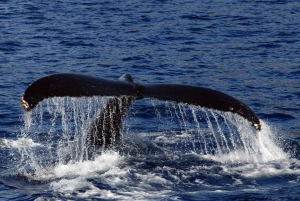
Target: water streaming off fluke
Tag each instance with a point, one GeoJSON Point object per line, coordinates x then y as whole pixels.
{"type": "Point", "coordinates": [162, 144]}
{"type": "Point", "coordinates": [60, 125]}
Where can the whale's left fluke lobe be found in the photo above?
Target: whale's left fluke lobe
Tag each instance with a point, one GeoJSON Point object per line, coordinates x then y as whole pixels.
{"type": "Point", "coordinates": [73, 85]}
{"type": "Point", "coordinates": [125, 92]}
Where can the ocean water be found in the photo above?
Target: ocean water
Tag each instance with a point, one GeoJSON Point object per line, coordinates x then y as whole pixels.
{"type": "Point", "coordinates": [247, 49]}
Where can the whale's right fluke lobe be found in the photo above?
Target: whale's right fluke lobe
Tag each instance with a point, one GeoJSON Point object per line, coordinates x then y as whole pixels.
{"type": "Point", "coordinates": [201, 96]}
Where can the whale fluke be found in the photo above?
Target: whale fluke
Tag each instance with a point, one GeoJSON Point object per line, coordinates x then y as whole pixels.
{"type": "Point", "coordinates": [107, 127]}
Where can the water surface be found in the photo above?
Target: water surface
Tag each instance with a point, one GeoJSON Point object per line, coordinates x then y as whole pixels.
{"type": "Point", "coordinates": [248, 49]}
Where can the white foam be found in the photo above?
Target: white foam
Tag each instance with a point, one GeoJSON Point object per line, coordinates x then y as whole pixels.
{"type": "Point", "coordinates": [101, 163]}
{"type": "Point", "coordinates": [89, 168]}
{"type": "Point", "coordinates": [73, 178]}
{"type": "Point", "coordinates": [19, 143]}
{"type": "Point", "coordinates": [268, 169]}
{"type": "Point", "coordinates": [81, 188]}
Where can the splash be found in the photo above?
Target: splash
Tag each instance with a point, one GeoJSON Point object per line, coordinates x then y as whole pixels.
{"type": "Point", "coordinates": [163, 145]}
{"type": "Point", "coordinates": [101, 164]}
{"type": "Point", "coordinates": [60, 125]}
{"type": "Point", "coordinates": [261, 148]}
{"type": "Point", "coordinates": [222, 136]}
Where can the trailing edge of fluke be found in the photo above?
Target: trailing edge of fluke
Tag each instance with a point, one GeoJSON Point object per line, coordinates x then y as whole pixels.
{"type": "Point", "coordinates": [74, 85]}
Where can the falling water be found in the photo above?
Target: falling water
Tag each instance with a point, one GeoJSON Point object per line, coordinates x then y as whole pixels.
{"type": "Point", "coordinates": [59, 126]}
{"type": "Point", "coordinates": [209, 132]}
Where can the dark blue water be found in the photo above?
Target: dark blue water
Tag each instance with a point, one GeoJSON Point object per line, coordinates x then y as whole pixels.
{"type": "Point", "coordinates": [248, 49]}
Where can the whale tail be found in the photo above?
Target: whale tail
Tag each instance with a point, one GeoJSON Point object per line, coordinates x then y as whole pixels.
{"type": "Point", "coordinates": [107, 126]}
